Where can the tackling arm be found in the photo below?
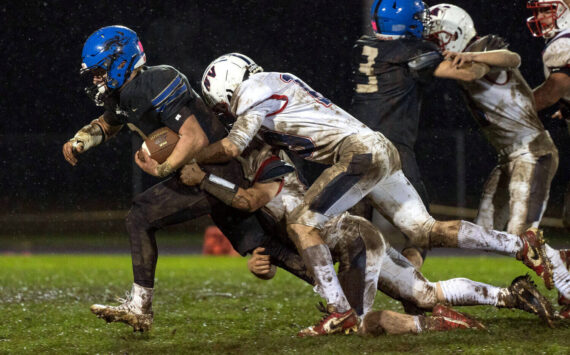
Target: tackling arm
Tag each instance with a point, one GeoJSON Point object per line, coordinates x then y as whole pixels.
{"type": "Point", "coordinates": [502, 58]}
{"type": "Point", "coordinates": [218, 152]}
{"type": "Point", "coordinates": [250, 199]}
{"type": "Point", "coordinates": [467, 72]}
{"type": "Point", "coordinates": [553, 89]}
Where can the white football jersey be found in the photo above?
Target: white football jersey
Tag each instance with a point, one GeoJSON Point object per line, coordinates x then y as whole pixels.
{"type": "Point", "coordinates": [290, 115]}
{"type": "Point", "coordinates": [503, 104]}
{"type": "Point", "coordinates": [557, 55]}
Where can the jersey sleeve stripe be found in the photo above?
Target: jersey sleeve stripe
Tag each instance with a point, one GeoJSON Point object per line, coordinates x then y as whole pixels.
{"type": "Point", "coordinates": [279, 97]}
{"type": "Point", "coordinates": [167, 91]}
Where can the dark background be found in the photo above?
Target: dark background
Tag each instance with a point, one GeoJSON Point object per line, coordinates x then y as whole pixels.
{"type": "Point", "coordinates": [43, 103]}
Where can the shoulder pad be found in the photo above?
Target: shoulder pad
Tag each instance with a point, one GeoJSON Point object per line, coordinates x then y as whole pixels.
{"type": "Point", "coordinates": [557, 53]}
{"type": "Point", "coordinates": [250, 93]}
{"type": "Point", "coordinates": [487, 43]}
{"type": "Point", "coordinates": [273, 168]}
{"type": "Point", "coordinates": [425, 60]}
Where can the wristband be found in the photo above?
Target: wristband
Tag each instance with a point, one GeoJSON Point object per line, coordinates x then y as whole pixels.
{"type": "Point", "coordinates": [164, 169]}
{"type": "Point", "coordinates": [220, 188]}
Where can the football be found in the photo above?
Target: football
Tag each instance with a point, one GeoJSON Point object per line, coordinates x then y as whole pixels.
{"type": "Point", "coordinates": [160, 144]}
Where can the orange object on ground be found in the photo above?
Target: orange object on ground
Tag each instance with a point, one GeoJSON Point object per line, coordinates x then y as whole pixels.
{"type": "Point", "coordinates": [216, 243]}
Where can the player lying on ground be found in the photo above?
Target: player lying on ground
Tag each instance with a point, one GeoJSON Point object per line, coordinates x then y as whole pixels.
{"type": "Point", "coordinates": [151, 97]}
{"type": "Point", "coordinates": [288, 114]}
{"type": "Point", "coordinates": [551, 20]}
{"type": "Point", "coordinates": [502, 102]}
{"type": "Point", "coordinates": [346, 236]}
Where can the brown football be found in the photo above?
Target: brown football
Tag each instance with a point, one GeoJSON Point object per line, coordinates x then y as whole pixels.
{"type": "Point", "coordinates": [160, 143]}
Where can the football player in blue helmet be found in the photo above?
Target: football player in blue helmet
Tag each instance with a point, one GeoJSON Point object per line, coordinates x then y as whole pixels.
{"type": "Point", "coordinates": [398, 18]}
{"type": "Point", "coordinates": [147, 98]}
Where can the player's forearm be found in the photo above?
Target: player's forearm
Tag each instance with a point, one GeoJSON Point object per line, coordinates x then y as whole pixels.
{"type": "Point", "coordinates": [544, 99]}
{"type": "Point", "coordinates": [186, 148]}
{"type": "Point", "coordinates": [249, 200]}
{"type": "Point", "coordinates": [467, 72]}
{"type": "Point", "coordinates": [218, 152]}
{"type": "Point", "coordinates": [93, 134]}
{"type": "Point", "coordinates": [499, 58]}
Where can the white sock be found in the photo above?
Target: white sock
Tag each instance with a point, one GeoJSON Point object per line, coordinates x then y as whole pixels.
{"type": "Point", "coordinates": [418, 324]}
{"type": "Point", "coordinates": [560, 274]}
{"type": "Point", "coordinates": [472, 236]}
{"type": "Point", "coordinates": [465, 292]}
{"type": "Point", "coordinates": [318, 259]}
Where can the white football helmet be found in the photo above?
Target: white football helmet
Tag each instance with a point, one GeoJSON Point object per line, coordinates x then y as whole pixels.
{"type": "Point", "coordinates": [548, 17]}
{"type": "Point", "coordinates": [451, 27]}
{"type": "Point", "coordinates": [224, 75]}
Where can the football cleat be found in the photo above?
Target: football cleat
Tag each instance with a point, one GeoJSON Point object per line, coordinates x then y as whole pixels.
{"type": "Point", "coordinates": [524, 295]}
{"type": "Point", "coordinates": [452, 319]}
{"type": "Point", "coordinates": [533, 255]}
{"type": "Point", "coordinates": [332, 322]}
{"type": "Point", "coordinates": [135, 310]}
{"type": "Point", "coordinates": [564, 312]}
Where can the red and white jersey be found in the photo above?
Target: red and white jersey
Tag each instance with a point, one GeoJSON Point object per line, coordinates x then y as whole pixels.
{"type": "Point", "coordinates": [290, 115]}
{"type": "Point", "coordinates": [556, 55]}
{"type": "Point", "coordinates": [503, 104]}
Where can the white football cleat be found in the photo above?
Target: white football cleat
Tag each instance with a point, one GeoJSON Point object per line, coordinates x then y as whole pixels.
{"type": "Point", "coordinates": [135, 311]}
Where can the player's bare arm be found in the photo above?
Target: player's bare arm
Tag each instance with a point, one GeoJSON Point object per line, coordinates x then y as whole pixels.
{"type": "Point", "coordinates": [91, 135]}
{"type": "Point", "coordinates": [553, 89]}
{"type": "Point", "coordinates": [250, 199]}
{"type": "Point", "coordinates": [467, 72]}
{"type": "Point", "coordinates": [502, 58]}
{"type": "Point", "coordinates": [218, 152]}
{"type": "Point", "coordinates": [192, 140]}
{"type": "Point", "coordinates": [260, 265]}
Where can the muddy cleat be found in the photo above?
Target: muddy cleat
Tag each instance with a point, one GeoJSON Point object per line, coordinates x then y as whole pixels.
{"type": "Point", "coordinates": [564, 312]}
{"type": "Point", "coordinates": [135, 311]}
{"type": "Point", "coordinates": [453, 319]}
{"type": "Point", "coordinates": [332, 322]}
{"type": "Point", "coordinates": [533, 255]}
{"type": "Point", "coordinates": [524, 295]}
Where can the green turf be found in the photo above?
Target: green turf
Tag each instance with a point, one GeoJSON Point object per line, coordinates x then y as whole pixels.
{"type": "Point", "coordinates": [213, 305]}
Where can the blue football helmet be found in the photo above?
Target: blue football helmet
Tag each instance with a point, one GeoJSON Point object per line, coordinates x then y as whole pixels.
{"type": "Point", "coordinates": [114, 49]}
{"type": "Point", "coordinates": [398, 18]}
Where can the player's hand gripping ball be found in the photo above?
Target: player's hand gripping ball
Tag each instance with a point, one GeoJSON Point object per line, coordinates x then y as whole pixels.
{"type": "Point", "coordinates": [160, 144]}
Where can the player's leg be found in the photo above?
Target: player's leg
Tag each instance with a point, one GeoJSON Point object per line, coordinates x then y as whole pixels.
{"type": "Point", "coordinates": [337, 189]}
{"type": "Point", "coordinates": [529, 187]}
{"type": "Point", "coordinates": [168, 202]}
{"type": "Point", "coordinates": [411, 170]}
{"type": "Point", "coordinates": [359, 247]}
{"type": "Point", "coordinates": [397, 200]}
{"type": "Point", "coordinates": [401, 281]}
{"type": "Point", "coordinates": [493, 210]}
{"type": "Point", "coordinates": [443, 319]}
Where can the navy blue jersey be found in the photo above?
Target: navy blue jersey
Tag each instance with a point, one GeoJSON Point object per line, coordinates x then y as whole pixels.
{"type": "Point", "coordinates": [161, 96]}
{"type": "Point", "coordinates": [388, 81]}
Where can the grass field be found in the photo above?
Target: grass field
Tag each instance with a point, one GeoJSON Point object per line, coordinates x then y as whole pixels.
{"type": "Point", "coordinates": [213, 305]}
